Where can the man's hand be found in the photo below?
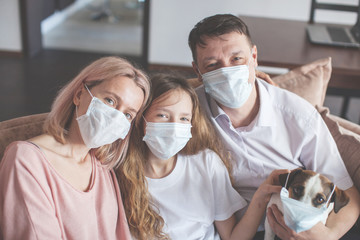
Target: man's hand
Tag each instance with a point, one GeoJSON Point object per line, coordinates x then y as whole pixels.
{"type": "Point", "coordinates": [270, 185]}
{"type": "Point", "coordinates": [265, 77]}
{"type": "Point", "coordinates": [277, 224]}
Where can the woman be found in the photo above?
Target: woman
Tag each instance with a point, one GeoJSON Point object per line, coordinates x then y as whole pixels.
{"type": "Point", "coordinates": [175, 183]}
{"type": "Point", "coordinates": [59, 185]}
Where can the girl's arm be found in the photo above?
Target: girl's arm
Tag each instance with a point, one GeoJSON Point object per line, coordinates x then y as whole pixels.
{"type": "Point", "coordinates": [247, 226]}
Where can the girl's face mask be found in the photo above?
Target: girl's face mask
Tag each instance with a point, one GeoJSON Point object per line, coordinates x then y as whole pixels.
{"type": "Point", "coordinates": [166, 139]}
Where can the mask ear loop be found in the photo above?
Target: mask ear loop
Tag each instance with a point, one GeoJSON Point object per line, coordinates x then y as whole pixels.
{"type": "Point", "coordinates": [76, 107]}
{"type": "Point", "coordinates": [287, 178]}
{"type": "Point", "coordinates": [76, 111]}
{"type": "Point", "coordinates": [144, 119]}
{"type": "Point", "coordinates": [88, 90]}
{"type": "Point", "coordinates": [198, 70]}
{"type": "Point", "coordinates": [332, 192]}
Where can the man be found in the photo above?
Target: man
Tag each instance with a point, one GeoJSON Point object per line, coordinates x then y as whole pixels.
{"type": "Point", "coordinates": [262, 126]}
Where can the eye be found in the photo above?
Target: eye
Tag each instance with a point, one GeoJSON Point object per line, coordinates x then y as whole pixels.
{"type": "Point", "coordinates": [319, 199]}
{"type": "Point", "coordinates": [109, 101]}
{"type": "Point", "coordinates": [185, 119]}
{"type": "Point", "coordinates": [239, 60]}
{"type": "Point", "coordinates": [211, 65]}
{"type": "Point", "coordinates": [160, 115]}
{"type": "Point", "coordinates": [128, 116]}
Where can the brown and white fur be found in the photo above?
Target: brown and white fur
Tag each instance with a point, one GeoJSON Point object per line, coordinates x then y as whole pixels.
{"type": "Point", "coordinates": [308, 187]}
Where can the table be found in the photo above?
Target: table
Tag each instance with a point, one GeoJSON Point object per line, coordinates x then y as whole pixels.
{"type": "Point", "coordinates": [284, 43]}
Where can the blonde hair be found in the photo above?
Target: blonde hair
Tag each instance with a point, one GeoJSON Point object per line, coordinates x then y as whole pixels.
{"type": "Point", "coordinates": [63, 108]}
{"type": "Point", "coordinates": [143, 218]}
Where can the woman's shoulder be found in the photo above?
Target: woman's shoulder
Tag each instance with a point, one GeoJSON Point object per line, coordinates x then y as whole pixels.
{"type": "Point", "coordinates": [20, 147]}
{"type": "Point", "coordinates": [21, 153]}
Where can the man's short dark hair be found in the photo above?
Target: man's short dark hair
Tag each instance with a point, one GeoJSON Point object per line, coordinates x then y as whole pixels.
{"type": "Point", "coordinates": [215, 26]}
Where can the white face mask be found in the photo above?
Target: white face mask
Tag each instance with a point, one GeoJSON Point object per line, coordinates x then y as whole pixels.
{"type": "Point", "coordinates": [229, 85]}
{"type": "Point", "coordinates": [102, 124]}
{"type": "Point", "coordinates": [300, 216]}
{"type": "Point", "coordinates": [166, 139]}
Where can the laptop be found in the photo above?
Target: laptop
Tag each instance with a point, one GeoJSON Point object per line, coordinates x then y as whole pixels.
{"type": "Point", "coordinates": [335, 35]}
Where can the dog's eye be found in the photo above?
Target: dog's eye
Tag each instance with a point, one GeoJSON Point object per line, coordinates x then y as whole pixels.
{"type": "Point", "coordinates": [319, 200]}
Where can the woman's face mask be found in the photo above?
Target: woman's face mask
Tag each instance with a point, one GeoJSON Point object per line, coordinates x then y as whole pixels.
{"type": "Point", "coordinates": [102, 124]}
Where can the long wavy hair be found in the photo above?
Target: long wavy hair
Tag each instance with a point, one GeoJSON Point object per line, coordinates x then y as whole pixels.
{"type": "Point", "coordinates": [143, 216]}
{"type": "Point", "coordinates": [63, 109]}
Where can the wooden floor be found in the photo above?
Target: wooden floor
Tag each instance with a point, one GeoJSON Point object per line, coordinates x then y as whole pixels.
{"type": "Point", "coordinates": [28, 85]}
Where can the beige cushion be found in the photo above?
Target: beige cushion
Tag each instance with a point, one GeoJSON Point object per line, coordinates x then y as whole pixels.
{"type": "Point", "coordinates": [21, 128]}
{"type": "Point", "coordinates": [308, 81]}
{"type": "Point", "coordinates": [348, 143]}
{"type": "Point", "coordinates": [350, 126]}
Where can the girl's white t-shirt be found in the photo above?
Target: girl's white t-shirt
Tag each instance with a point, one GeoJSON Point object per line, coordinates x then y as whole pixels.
{"type": "Point", "coordinates": [195, 194]}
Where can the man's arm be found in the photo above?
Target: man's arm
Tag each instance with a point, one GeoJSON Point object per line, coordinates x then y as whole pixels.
{"type": "Point", "coordinates": [336, 226]}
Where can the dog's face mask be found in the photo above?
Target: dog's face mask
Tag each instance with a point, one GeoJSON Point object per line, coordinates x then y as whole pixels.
{"type": "Point", "coordinates": [306, 196]}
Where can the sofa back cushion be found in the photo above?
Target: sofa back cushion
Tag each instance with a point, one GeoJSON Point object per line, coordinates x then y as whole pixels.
{"type": "Point", "coordinates": [309, 81]}
{"type": "Point", "coordinates": [19, 129]}
{"type": "Point", "coordinates": [348, 143]}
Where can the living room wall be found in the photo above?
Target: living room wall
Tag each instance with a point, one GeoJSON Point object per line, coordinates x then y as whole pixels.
{"type": "Point", "coordinates": [172, 20]}
{"type": "Point", "coordinates": [10, 31]}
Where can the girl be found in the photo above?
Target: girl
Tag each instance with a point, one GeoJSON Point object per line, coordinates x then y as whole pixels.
{"type": "Point", "coordinates": [59, 185]}
{"type": "Point", "coordinates": [175, 183]}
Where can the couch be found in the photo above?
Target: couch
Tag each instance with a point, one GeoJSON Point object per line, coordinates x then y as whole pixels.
{"type": "Point", "coordinates": [308, 81]}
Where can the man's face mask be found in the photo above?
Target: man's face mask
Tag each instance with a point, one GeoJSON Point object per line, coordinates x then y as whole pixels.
{"type": "Point", "coordinates": [300, 216]}
{"type": "Point", "coordinates": [229, 85]}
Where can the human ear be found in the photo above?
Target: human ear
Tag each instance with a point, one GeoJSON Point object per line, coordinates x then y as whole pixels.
{"type": "Point", "coordinates": [196, 70]}
{"type": "Point", "coordinates": [254, 55]}
{"type": "Point", "coordinates": [77, 95]}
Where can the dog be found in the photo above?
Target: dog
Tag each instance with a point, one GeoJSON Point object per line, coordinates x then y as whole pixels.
{"type": "Point", "coordinates": [310, 188]}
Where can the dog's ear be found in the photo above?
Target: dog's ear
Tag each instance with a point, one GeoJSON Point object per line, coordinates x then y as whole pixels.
{"type": "Point", "coordinates": [340, 199]}
{"type": "Point", "coordinates": [293, 173]}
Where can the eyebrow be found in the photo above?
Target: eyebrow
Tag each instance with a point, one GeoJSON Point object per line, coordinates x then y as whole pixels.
{"type": "Point", "coordinates": [232, 54]}
{"type": "Point", "coordinates": [119, 99]}
{"type": "Point", "coordinates": [238, 52]}
{"type": "Point", "coordinates": [209, 58]}
{"type": "Point", "coordinates": [165, 110]}
{"type": "Point", "coordinates": [133, 110]}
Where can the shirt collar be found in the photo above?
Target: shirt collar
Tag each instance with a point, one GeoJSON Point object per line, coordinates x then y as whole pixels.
{"type": "Point", "coordinates": [264, 117]}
